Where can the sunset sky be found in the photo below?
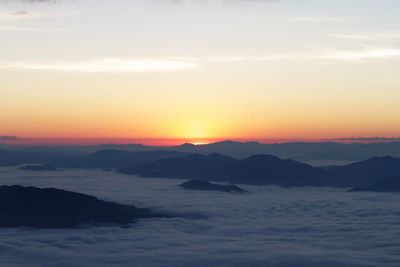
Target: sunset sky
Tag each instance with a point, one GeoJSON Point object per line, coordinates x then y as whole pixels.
{"type": "Point", "coordinates": [200, 69]}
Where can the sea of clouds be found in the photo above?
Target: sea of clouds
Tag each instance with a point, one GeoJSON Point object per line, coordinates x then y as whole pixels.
{"type": "Point", "coordinates": [269, 226]}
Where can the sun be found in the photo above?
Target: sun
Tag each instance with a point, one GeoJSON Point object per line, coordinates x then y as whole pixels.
{"type": "Point", "coordinates": [199, 131]}
{"type": "Point", "coordinates": [199, 143]}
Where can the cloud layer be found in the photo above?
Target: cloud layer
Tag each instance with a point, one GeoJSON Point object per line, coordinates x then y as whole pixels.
{"type": "Point", "coordinates": [107, 65]}
{"type": "Point", "coordinates": [127, 65]}
{"type": "Point", "coordinates": [270, 226]}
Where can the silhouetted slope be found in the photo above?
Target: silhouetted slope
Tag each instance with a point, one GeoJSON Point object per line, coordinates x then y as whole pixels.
{"type": "Point", "coordinates": [190, 167]}
{"type": "Point", "coordinates": [368, 172]}
{"type": "Point", "coordinates": [387, 185]}
{"type": "Point", "coordinates": [14, 158]}
{"type": "Point", "coordinates": [257, 170]}
{"type": "Point", "coordinates": [207, 186]}
{"type": "Point", "coordinates": [54, 208]}
{"type": "Point", "coordinates": [266, 169]}
{"type": "Point", "coordinates": [114, 159]}
{"type": "Point", "coordinates": [307, 151]}
{"type": "Point", "coordinates": [43, 167]}
{"type": "Point", "coordinates": [303, 151]}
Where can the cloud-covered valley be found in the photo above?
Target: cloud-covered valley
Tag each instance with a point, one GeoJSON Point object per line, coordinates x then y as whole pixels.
{"type": "Point", "coordinates": [270, 226]}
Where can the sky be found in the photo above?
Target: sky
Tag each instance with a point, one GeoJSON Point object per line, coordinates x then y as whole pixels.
{"type": "Point", "coordinates": [199, 70]}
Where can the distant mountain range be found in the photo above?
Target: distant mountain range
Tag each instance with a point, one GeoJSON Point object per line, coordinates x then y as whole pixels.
{"type": "Point", "coordinates": [258, 169]}
{"type": "Point", "coordinates": [318, 153]}
{"type": "Point", "coordinates": [269, 170]}
{"type": "Point", "coordinates": [113, 159]}
{"type": "Point", "coordinates": [19, 157]}
{"type": "Point", "coordinates": [190, 167]}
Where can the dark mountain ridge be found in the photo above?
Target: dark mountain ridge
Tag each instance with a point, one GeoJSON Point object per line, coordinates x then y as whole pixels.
{"type": "Point", "coordinates": [207, 186]}
{"type": "Point", "coordinates": [114, 159]}
{"type": "Point", "coordinates": [15, 158]}
{"type": "Point", "coordinates": [55, 208]}
{"type": "Point", "coordinates": [368, 172]}
{"type": "Point", "coordinates": [308, 152]}
{"type": "Point", "coordinates": [193, 167]}
{"type": "Point", "coordinates": [256, 170]}
{"type": "Point", "coordinates": [387, 185]}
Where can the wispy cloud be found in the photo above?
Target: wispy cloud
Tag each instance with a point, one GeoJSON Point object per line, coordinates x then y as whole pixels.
{"type": "Point", "coordinates": [362, 55]}
{"type": "Point", "coordinates": [108, 65]}
{"type": "Point", "coordinates": [382, 36]}
{"type": "Point", "coordinates": [390, 82]}
{"type": "Point", "coordinates": [365, 139]}
{"type": "Point", "coordinates": [121, 65]}
{"type": "Point", "coordinates": [31, 1]}
{"type": "Point", "coordinates": [10, 21]}
{"type": "Point", "coordinates": [317, 56]}
{"type": "Point", "coordinates": [319, 19]}
{"type": "Point", "coordinates": [25, 15]}
{"type": "Point", "coordinates": [8, 137]}
{"type": "Point", "coordinates": [29, 29]}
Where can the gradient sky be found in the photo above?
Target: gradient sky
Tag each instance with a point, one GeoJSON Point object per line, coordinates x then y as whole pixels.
{"type": "Point", "coordinates": [200, 69]}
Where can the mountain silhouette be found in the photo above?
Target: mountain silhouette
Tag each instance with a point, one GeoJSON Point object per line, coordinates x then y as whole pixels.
{"type": "Point", "coordinates": [387, 185]}
{"type": "Point", "coordinates": [43, 167]}
{"type": "Point", "coordinates": [267, 169]}
{"type": "Point", "coordinates": [256, 170]}
{"type": "Point", "coordinates": [54, 208]}
{"type": "Point", "coordinates": [114, 159]}
{"type": "Point", "coordinates": [207, 186]}
{"type": "Point", "coordinates": [368, 172]}
{"type": "Point", "coordinates": [15, 158]}
{"type": "Point", "coordinates": [314, 153]}
{"type": "Point", "coordinates": [189, 167]}
{"type": "Point", "coordinates": [303, 151]}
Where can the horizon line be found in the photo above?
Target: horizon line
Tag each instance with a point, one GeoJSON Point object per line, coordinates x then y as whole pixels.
{"type": "Point", "coordinates": [165, 142]}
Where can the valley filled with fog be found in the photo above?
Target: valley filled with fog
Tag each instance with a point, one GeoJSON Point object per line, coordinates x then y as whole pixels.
{"type": "Point", "coordinates": [268, 226]}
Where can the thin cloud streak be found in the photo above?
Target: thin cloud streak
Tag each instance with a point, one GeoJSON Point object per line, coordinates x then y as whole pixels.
{"type": "Point", "coordinates": [31, 1]}
{"type": "Point", "coordinates": [29, 29]}
{"type": "Point", "coordinates": [361, 55]}
{"type": "Point", "coordinates": [25, 15]}
{"type": "Point", "coordinates": [383, 36]}
{"type": "Point", "coordinates": [109, 65]}
{"type": "Point", "coordinates": [120, 65]}
{"type": "Point", "coordinates": [10, 18]}
{"type": "Point", "coordinates": [334, 55]}
{"type": "Point", "coordinates": [315, 19]}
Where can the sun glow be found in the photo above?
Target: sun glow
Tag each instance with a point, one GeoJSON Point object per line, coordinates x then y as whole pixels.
{"type": "Point", "coordinates": [197, 130]}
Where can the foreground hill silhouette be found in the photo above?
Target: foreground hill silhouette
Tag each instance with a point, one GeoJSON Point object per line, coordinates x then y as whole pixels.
{"type": "Point", "coordinates": [255, 170]}
{"type": "Point", "coordinates": [207, 186]}
{"type": "Point", "coordinates": [54, 208]}
{"type": "Point", "coordinates": [387, 185]}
